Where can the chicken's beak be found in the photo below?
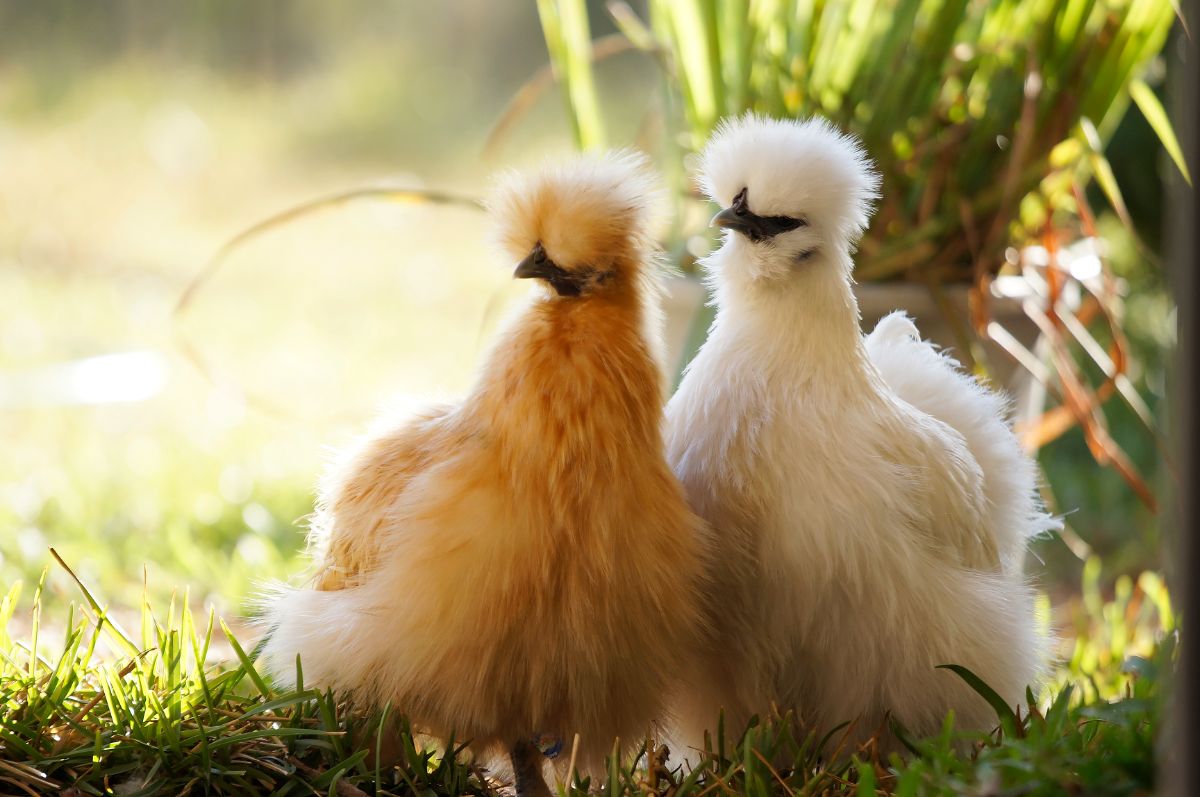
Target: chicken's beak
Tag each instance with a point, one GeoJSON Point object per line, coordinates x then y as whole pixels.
{"type": "Point", "coordinates": [754, 227]}
{"type": "Point", "coordinates": [729, 219]}
{"type": "Point", "coordinates": [532, 266]}
{"type": "Point", "coordinates": [537, 264]}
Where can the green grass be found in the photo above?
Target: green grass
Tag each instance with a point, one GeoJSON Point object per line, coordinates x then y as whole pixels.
{"type": "Point", "coordinates": [107, 711]}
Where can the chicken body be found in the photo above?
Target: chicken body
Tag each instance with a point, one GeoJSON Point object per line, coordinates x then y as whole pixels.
{"type": "Point", "coordinates": [522, 563]}
{"type": "Point", "coordinates": [870, 507]}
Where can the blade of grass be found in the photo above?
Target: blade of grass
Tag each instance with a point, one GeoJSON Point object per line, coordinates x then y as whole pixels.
{"type": "Point", "coordinates": [115, 630]}
{"type": "Point", "coordinates": [568, 40]}
{"type": "Point", "coordinates": [1146, 101]}
{"type": "Point", "coordinates": [532, 90]}
{"type": "Point", "coordinates": [247, 664]}
{"type": "Point", "coordinates": [1008, 719]}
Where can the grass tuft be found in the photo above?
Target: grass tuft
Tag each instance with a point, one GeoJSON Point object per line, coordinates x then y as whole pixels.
{"type": "Point", "coordinates": [160, 720]}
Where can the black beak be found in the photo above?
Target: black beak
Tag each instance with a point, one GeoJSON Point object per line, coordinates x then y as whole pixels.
{"type": "Point", "coordinates": [738, 218]}
{"type": "Point", "coordinates": [731, 219]}
{"type": "Point", "coordinates": [536, 264]}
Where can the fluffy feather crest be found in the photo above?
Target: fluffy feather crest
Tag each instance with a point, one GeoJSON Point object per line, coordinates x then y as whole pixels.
{"type": "Point", "coordinates": [803, 169]}
{"type": "Point", "coordinates": [595, 211]}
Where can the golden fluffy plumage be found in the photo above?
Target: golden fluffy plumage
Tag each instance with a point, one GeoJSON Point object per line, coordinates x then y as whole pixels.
{"type": "Point", "coordinates": [523, 562]}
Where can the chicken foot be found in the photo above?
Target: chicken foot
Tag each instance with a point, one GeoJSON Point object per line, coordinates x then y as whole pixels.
{"type": "Point", "coordinates": [527, 770]}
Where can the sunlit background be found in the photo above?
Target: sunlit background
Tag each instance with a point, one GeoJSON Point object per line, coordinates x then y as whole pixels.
{"type": "Point", "coordinates": [158, 450]}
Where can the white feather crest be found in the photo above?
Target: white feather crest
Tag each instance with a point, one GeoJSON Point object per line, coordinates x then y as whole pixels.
{"type": "Point", "coordinates": [806, 169]}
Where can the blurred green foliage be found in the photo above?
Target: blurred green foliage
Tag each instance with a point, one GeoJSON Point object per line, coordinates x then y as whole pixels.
{"type": "Point", "coordinates": [135, 138]}
{"type": "Point", "coordinates": [372, 80]}
{"type": "Point", "coordinates": [981, 117]}
{"type": "Point", "coordinates": [988, 121]}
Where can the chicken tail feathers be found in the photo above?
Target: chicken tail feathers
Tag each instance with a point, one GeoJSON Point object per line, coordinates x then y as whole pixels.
{"type": "Point", "coordinates": [935, 383]}
{"type": "Point", "coordinates": [895, 327]}
{"type": "Point", "coordinates": [306, 635]}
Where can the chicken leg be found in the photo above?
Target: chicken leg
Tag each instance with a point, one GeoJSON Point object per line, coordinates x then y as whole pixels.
{"type": "Point", "coordinates": [527, 770]}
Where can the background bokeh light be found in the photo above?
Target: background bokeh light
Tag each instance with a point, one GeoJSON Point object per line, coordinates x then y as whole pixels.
{"type": "Point", "coordinates": [136, 139]}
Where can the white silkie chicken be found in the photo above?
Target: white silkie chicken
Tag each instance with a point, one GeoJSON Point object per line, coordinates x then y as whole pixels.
{"type": "Point", "coordinates": [870, 504]}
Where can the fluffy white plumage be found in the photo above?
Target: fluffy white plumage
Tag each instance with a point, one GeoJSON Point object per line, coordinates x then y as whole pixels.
{"type": "Point", "coordinates": [869, 502]}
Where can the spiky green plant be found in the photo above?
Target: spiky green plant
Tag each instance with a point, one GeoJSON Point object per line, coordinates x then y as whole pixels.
{"type": "Point", "coordinates": [987, 119]}
{"type": "Point", "coordinates": [984, 117]}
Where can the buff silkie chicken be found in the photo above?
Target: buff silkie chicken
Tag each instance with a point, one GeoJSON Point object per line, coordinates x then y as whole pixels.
{"type": "Point", "coordinates": [522, 565]}
{"type": "Point", "coordinates": [870, 504]}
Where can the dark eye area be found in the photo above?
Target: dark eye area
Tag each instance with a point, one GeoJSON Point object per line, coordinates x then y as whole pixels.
{"type": "Point", "coordinates": [777, 224]}
{"type": "Point", "coordinates": [739, 203]}
{"type": "Point", "coordinates": [753, 226]}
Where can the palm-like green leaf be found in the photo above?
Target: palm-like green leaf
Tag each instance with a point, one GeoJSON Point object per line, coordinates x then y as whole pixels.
{"type": "Point", "coordinates": [1152, 109]}
{"type": "Point", "coordinates": [568, 39]}
{"type": "Point", "coordinates": [958, 102]}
